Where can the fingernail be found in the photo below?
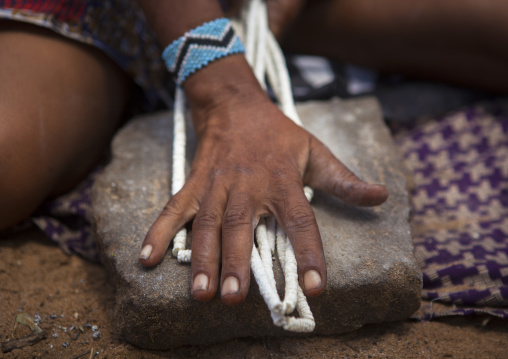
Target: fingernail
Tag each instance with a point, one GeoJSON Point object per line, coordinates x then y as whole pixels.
{"type": "Point", "coordinates": [230, 286]}
{"type": "Point", "coordinates": [311, 280]}
{"type": "Point", "coordinates": [146, 252]}
{"type": "Point", "coordinates": [200, 282]}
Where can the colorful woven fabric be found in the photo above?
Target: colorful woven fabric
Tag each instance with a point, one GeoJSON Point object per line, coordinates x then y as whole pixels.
{"type": "Point", "coordinates": [460, 209]}
{"type": "Point", "coordinates": [116, 27]}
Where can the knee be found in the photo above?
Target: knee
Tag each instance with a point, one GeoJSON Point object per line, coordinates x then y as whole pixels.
{"type": "Point", "coordinates": [24, 180]}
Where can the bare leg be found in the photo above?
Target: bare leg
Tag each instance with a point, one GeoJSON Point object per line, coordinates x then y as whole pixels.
{"type": "Point", "coordinates": [61, 103]}
{"type": "Point", "coordinates": [460, 41]}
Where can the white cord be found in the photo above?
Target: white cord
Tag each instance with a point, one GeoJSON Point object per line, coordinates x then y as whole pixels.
{"type": "Point", "coordinates": [178, 171]}
{"type": "Point", "coordinates": [266, 58]}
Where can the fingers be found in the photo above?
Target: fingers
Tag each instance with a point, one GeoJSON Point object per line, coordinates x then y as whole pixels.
{"type": "Point", "coordinates": [237, 240]}
{"type": "Point", "coordinates": [227, 223]}
{"type": "Point", "coordinates": [232, 219]}
{"type": "Point", "coordinates": [179, 210]}
{"type": "Point", "coordinates": [327, 173]}
{"type": "Point", "coordinates": [206, 245]}
{"type": "Point", "coordinates": [295, 215]}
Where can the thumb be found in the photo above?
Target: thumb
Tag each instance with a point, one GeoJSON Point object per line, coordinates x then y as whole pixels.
{"type": "Point", "coordinates": [325, 172]}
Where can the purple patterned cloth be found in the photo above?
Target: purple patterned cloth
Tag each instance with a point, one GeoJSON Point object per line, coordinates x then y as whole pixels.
{"type": "Point", "coordinates": [459, 165]}
{"type": "Point", "coordinates": [66, 220]}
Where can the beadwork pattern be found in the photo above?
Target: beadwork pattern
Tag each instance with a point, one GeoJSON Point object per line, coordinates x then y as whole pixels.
{"type": "Point", "coordinates": [200, 46]}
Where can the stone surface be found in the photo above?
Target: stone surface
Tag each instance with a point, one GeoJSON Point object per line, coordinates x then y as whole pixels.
{"type": "Point", "coordinates": [373, 276]}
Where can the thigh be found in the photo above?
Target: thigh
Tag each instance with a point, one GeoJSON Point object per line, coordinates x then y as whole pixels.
{"type": "Point", "coordinates": [454, 40]}
{"type": "Point", "coordinates": [61, 102]}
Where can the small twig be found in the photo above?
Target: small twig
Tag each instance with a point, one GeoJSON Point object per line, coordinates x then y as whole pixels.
{"type": "Point", "coordinates": [23, 342]}
{"type": "Point", "coordinates": [352, 347]}
{"type": "Point", "coordinates": [13, 329]}
{"type": "Point", "coordinates": [80, 355]}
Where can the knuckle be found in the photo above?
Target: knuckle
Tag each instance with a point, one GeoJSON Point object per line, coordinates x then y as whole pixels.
{"type": "Point", "coordinates": [345, 183]}
{"type": "Point", "coordinates": [173, 208]}
{"type": "Point", "coordinates": [243, 170]}
{"type": "Point", "coordinates": [207, 218]}
{"type": "Point", "coordinates": [200, 260]}
{"type": "Point", "coordinates": [285, 175]}
{"type": "Point", "coordinates": [299, 218]}
{"type": "Point", "coordinates": [339, 188]}
{"type": "Point", "coordinates": [348, 189]}
{"type": "Point", "coordinates": [279, 174]}
{"type": "Point", "coordinates": [285, 181]}
{"type": "Point", "coordinates": [234, 261]}
{"type": "Point", "coordinates": [237, 215]}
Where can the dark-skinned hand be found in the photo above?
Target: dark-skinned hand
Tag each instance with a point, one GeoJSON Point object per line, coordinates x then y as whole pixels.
{"type": "Point", "coordinates": [250, 161]}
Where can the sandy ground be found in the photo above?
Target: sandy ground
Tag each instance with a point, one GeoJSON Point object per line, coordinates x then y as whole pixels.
{"type": "Point", "coordinates": [69, 296]}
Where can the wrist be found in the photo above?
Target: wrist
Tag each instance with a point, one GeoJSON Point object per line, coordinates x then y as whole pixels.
{"type": "Point", "coordinates": [224, 82]}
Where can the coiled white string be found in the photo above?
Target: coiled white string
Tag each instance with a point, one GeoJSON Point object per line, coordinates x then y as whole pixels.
{"type": "Point", "coordinates": [266, 59]}
{"type": "Point", "coordinates": [178, 171]}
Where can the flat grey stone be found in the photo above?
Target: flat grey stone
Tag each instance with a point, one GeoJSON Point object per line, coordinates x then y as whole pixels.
{"type": "Point", "coordinates": [372, 274]}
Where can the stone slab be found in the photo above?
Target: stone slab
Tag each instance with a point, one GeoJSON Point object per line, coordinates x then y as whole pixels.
{"type": "Point", "coordinates": [373, 276]}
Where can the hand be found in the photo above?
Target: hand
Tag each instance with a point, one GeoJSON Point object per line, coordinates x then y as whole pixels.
{"type": "Point", "coordinates": [250, 161]}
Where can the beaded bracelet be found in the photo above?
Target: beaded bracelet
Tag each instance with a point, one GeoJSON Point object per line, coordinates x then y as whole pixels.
{"type": "Point", "coordinates": [200, 46]}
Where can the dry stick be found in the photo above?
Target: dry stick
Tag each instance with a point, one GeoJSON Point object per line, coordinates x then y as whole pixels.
{"type": "Point", "coordinates": [27, 340]}
{"type": "Point", "coordinates": [81, 355]}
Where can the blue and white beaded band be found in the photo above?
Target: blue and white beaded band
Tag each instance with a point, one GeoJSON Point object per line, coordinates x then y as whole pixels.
{"type": "Point", "coordinates": [200, 46]}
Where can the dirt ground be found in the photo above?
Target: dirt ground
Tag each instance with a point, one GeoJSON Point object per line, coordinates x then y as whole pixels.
{"type": "Point", "coordinates": [73, 303]}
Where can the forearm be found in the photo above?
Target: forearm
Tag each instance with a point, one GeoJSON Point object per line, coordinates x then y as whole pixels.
{"type": "Point", "coordinates": [172, 18]}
